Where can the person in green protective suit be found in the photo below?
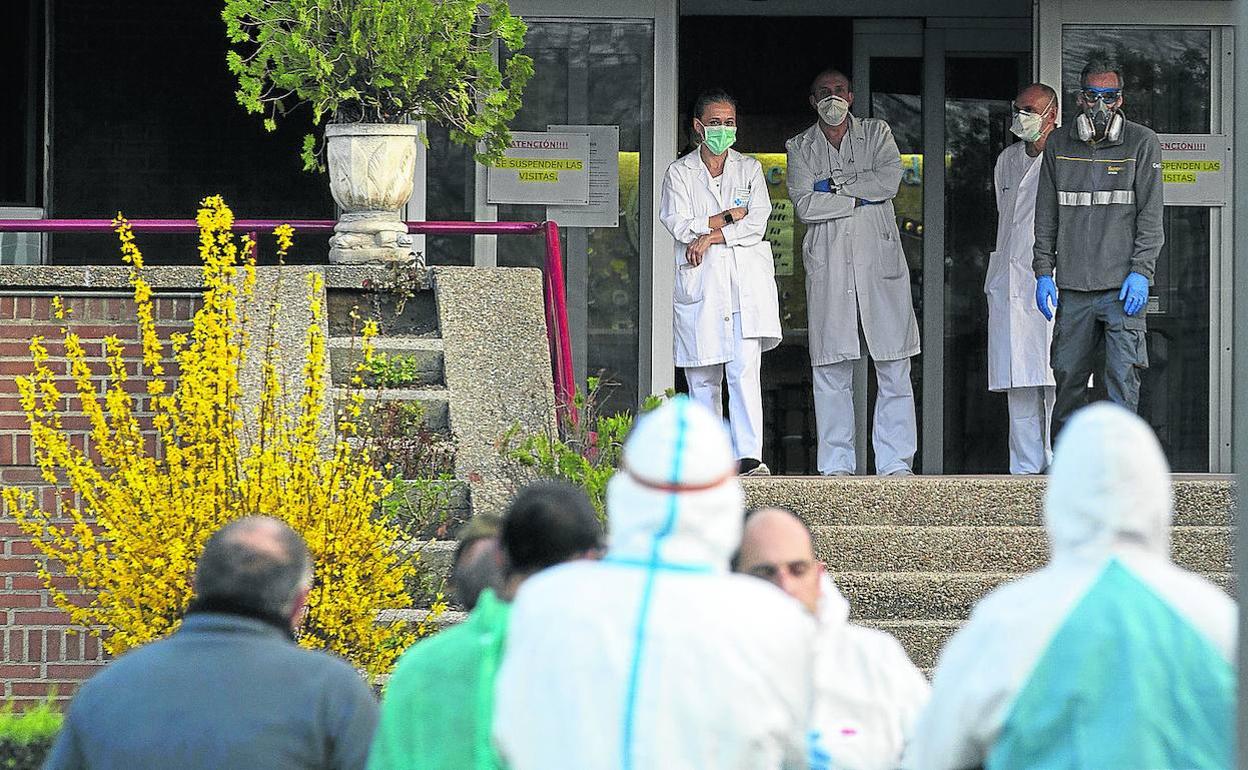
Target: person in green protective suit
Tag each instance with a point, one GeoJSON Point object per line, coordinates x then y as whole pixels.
{"type": "Point", "coordinates": [437, 710]}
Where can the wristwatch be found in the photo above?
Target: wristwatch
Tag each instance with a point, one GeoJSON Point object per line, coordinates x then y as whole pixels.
{"type": "Point", "coordinates": [728, 219]}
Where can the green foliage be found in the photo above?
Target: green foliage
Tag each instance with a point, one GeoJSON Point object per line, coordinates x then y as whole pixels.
{"type": "Point", "coordinates": [26, 737]}
{"type": "Point", "coordinates": [381, 61]}
{"type": "Point", "coordinates": [587, 451]}
{"type": "Point", "coordinates": [423, 506]}
{"type": "Point", "coordinates": [392, 371]}
{"type": "Point", "coordinates": [40, 723]}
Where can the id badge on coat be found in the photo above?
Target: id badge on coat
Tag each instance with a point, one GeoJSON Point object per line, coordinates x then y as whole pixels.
{"type": "Point", "coordinates": [741, 197]}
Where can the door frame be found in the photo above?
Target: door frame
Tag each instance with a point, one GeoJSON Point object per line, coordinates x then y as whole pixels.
{"type": "Point", "coordinates": [1050, 19]}
{"type": "Point", "coordinates": [655, 372]}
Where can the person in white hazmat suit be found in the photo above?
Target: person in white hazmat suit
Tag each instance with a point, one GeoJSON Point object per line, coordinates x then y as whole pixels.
{"type": "Point", "coordinates": [843, 173]}
{"type": "Point", "coordinates": [1019, 336]}
{"type": "Point", "coordinates": [657, 656]}
{"type": "Point", "coordinates": [867, 692]}
{"type": "Point", "coordinates": [726, 313]}
{"type": "Point", "coordinates": [1109, 657]}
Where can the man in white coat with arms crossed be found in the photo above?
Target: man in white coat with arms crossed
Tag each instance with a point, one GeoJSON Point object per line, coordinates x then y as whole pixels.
{"type": "Point", "coordinates": [1018, 335]}
{"type": "Point", "coordinates": [843, 173]}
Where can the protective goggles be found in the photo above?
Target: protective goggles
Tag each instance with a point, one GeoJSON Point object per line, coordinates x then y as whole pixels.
{"type": "Point", "coordinates": [1104, 95]}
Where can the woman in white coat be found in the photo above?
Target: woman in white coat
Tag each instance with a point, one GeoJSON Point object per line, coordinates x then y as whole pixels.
{"type": "Point", "coordinates": [1018, 335]}
{"type": "Point", "coordinates": [725, 310]}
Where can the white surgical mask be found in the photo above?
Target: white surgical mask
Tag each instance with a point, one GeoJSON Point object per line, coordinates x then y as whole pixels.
{"type": "Point", "coordinates": [1029, 126]}
{"type": "Point", "coordinates": [832, 110]}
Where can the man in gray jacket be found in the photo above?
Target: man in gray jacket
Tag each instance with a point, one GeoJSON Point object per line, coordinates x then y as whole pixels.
{"type": "Point", "coordinates": [229, 689]}
{"type": "Point", "coordinates": [1098, 234]}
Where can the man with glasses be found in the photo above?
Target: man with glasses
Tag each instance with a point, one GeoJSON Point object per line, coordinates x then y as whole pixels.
{"type": "Point", "coordinates": [1098, 234]}
{"type": "Point", "coordinates": [1018, 336]}
{"type": "Point", "coordinates": [844, 172]}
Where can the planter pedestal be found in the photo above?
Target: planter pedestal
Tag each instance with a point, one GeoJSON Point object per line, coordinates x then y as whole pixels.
{"type": "Point", "coordinates": [371, 167]}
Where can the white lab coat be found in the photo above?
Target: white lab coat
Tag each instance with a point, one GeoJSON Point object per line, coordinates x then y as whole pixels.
{"type": "Point", "coordinates": [854, 262]}
{"type": "Point", "coordinates": [702, 299]}
{"type": "Point", "coordinates": [1018, 335]}
{"type": "Point", "coordinates": [867, 692]}
{"type": "Point", "coordinates": [658, 656]}
{"type": "Point", "coordinates": [1107, 512]}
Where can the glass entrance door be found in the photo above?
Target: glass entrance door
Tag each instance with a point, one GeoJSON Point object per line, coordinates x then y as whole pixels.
{"type": "Point", "coordinates": [978, 91]}
{"type": "Point", "coordinates": [1169, 74]}
{"type": "Point", "coordinates": [596, 72]}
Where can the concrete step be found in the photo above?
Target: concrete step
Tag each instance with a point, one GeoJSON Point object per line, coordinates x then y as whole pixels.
{"type": "Point", "coordinates": [419, 358]}
{"type": "Point", "coordinates": [892, 548]}
{"type": "Point", "coordinates": [1002, 501]}
{"type": "Point", "coordinates": [415, 617]}
{"type": "Point", "coordinates": [922, 639]}
{"type": "Point", "coordinates": [418, 314]}
{"type": "Point", "coordinates": [933, 596]}
{"type": "Point", "coordinates": [435, 403]}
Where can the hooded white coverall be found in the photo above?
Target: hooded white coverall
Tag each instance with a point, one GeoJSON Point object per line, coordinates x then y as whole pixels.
{"type": "Point", "coordinates": [658, 656]}
{"type": "Point", "coordinates": [1110, 657]}
{"type": "Point", "coordinates": [1018, 335]}
{"type": "Point", "coordinates": [867, 692]}
{"type": "Point", "coordinates": [856, 268]}
{"type": "Point", "coordinates": [726, 313]}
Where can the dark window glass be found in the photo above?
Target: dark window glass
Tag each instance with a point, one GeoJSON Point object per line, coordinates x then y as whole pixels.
{"type": "Point", "coordinates": [590, 73]}
{"type": "Point", "coordinates": [21, 128]}
{"type": "Point", "coordinates": [977, 119]}
{"type": "Point", "coordinates": [1166, 73]}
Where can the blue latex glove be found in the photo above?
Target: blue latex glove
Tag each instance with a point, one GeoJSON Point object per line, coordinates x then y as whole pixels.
{"type": "Point", "coordinates": [819, 758]}
{"type": "Point", "coordinates": [1134, 293]}
{"type": "Point", "coordinates": [823, 185]}
{"type": "Point", "coordinates": [1046, 295]}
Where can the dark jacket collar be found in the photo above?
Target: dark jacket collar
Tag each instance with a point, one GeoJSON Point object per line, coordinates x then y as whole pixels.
{"type": "Point", "coordinates": [212, 611]}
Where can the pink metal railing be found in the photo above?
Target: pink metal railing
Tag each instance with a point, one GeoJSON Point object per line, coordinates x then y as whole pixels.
{"type": "Point", "coordinates": [553, 290]}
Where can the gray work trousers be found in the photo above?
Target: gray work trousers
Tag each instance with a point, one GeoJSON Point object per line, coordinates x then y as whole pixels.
{"type": "Point", "coordinates": [1084, 318]}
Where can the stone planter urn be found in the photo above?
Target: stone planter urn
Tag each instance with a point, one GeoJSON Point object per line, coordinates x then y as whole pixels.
{"type": "Point", "coordinates": [371, 166]}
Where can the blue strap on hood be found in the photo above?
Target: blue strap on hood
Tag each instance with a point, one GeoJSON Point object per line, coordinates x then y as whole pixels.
{"type": "Point", "coordinates": [653, 567]}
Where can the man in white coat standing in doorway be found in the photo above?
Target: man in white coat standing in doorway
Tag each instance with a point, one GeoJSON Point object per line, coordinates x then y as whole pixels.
{"type": "Point", "coordinates": [1018, 335]}
{"type": "Point", "coordinates": [843, 173]}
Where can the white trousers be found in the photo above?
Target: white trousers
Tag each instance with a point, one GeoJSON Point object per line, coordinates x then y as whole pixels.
{"type": "Point", "coordinates": [894, 431]}
{"type": "Point", "coordinates": [1031, 414]}
{"type": "Point", "coordinates": [745, 392]}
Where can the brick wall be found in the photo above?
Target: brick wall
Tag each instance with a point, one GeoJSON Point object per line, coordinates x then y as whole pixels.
{"type": "Point", "coordinates": [41, 650]}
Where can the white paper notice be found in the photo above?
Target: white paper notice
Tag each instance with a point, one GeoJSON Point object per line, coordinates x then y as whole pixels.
{"type": "Point", "coordinates": [604, 181]}
{"type": "Point", "coordinates": [541, 168]}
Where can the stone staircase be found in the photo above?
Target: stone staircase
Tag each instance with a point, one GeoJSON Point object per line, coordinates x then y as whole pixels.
{"type": "Point", "coordinates": [470, 345]}
{"type": "Point", "coordinates": [913, 555]}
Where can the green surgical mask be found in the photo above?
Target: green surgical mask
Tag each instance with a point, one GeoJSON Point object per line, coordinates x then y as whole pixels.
{"type": "Point", "coordinates": [719, 138]}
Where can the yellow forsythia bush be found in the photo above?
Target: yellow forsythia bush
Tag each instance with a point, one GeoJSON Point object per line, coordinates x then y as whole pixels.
{"type": "Point", "coordinates": [139, 519]}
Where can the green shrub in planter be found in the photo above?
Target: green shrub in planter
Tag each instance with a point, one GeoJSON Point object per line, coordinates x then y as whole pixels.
{"type": "Point", "coordinates": [381, 61]}
{"type": "Point", "coordinates": [26, 737]}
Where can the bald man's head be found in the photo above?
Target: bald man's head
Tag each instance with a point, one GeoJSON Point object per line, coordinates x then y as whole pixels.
{"type": "Point", "coordinates": [255, 564]}
{"type": "Point", "coordinates": [777, 547]}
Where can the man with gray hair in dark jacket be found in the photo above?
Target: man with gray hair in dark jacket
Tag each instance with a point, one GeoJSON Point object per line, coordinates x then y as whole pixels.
{"type": "Point", "coordinates": [1098, 234]}
{"type": "Point", "coordinates": [230, 688]}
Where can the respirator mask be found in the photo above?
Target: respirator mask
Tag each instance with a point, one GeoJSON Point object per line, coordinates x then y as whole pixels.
{"type": "Point", "coordinates": [1098, 120]}
{"type": "Point", "coordinates": [832, 110]}
{"type": "Point", "coordinates": [1029, 126]}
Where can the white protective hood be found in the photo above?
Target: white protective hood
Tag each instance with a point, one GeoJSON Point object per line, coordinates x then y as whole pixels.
{"type": "Point", "coordinates": [1109, 485]}
{"type": "Point", "coordinates": [679, 447]}
{"type": "Point", "coordinates": [833, 607]}
{"type": "Point", "coordinates": [657, 656]}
